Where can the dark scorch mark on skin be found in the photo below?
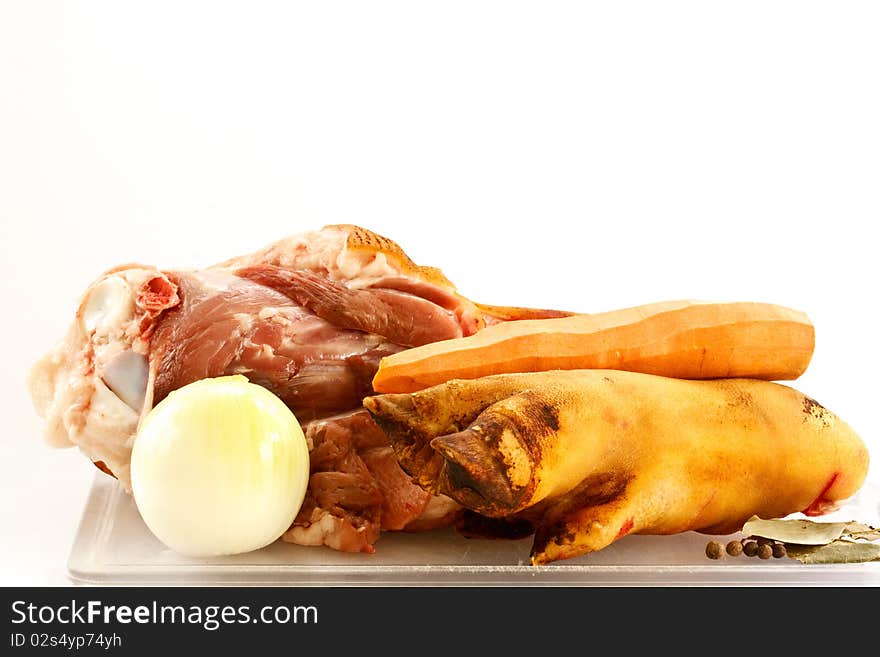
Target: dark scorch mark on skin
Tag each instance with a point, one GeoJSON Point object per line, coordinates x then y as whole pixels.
{"type": "Point", "coordinates": [816, 410]}
{"type": "Point", "coordinates": [476, 472]}
{"type": "Point", "coordinates": [595, 491]}
{"type": "Point", "coordinates": [540, 417]}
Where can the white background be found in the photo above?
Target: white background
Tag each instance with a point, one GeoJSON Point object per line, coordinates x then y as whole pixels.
{"type": "Point", "coordinates": [587, 156]}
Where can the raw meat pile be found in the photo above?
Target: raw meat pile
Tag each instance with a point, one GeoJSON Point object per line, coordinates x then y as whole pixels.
{"type": "Point", "coordinates": [309, 318]}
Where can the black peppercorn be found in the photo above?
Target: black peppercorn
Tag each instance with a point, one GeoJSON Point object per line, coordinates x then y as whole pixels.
{"type": "Point", "coordinates": [750, 548]}
{"type": "Point", "coordinates": [714, 550]}
{"type": "Point", "coordinates": [779, 550]}
{"type": "Point", "coordinates": [765, 551]}
{"type": "Point", "coordinates": [735, 548]}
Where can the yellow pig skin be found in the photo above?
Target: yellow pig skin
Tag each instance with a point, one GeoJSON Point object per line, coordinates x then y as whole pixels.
{"type": "Point", "coordinates": [588, 456]}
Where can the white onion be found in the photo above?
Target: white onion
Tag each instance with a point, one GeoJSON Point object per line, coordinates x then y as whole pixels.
{"type": "Point", "coordinates": [220, 466]}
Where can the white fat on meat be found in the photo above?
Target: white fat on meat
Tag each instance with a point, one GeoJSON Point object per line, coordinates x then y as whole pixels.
{"type": "Point", "coordinates": [53, 386]}
{"type": "Point", "coordinates": [324, 251]}
{"type": "Point", "coordinates": [331, 531]}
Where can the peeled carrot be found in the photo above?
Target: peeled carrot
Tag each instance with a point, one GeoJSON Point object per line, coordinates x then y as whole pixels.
{"type": "Point", "coordinates": [682, 339]}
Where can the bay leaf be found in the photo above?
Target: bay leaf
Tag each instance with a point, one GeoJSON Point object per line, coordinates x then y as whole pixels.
{"type": "Point", "coordinates": [861, 530]}
{"type": "Point", "coordinates": [838, 551]}
{"type": "Point", "coordinates": [794, 530]}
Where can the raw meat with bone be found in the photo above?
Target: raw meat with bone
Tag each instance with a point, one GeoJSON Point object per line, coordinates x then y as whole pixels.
{"type": "Point", "coordinates": [308, 317]}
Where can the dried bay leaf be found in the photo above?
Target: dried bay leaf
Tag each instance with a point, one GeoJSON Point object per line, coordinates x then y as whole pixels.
{"type": "Point", "coordinates": [795, 530]}
{"type": "Point", "coordinates": [837, 551]}
{"type": "Point", "coordinates": [812, 542]}
{"type": "Point", "coordinates": [860, 530]}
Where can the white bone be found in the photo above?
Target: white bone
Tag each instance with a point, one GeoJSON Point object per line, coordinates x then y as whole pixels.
{"type": "Point", "coordinates": [108, 305]}
{"type": "Point", "coordinates": [126, 375]}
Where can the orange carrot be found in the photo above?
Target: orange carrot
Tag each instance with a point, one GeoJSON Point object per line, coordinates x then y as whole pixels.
{"type": "Point", "coordinates": [682, 339]}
